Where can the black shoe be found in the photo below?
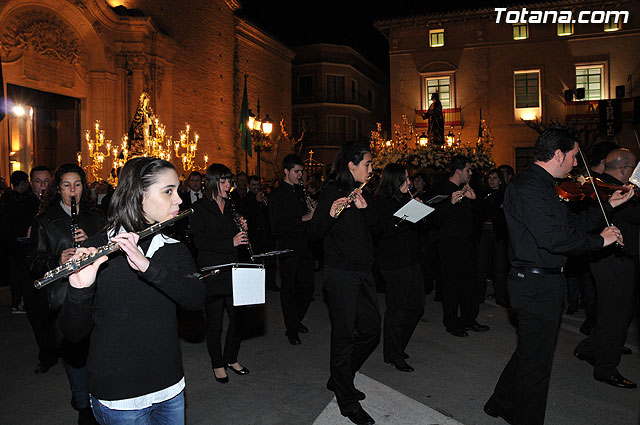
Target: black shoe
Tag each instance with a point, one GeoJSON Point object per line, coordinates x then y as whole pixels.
{"type": "Point", "coordinates": [457, 332]}
{"type": "Point", "coordinates": [303, 329]}
{"type": "Point", "coordinates": [43, 367]}
{"type": "Point", "coordinates": [617, 380]}
{"type": "Point", "coordinates": [294, 339]}
{"type": "Point", "coordinates": [477, 327]}
{"type": "Point", "coordinates": [221, 380]}
{"type": "Point", "coordinates": [360, 417]}
{"type": "Point", "coordinates": [85, 417]}
{"type": "Point", "coordinates": [242, 371]}
{"type": "Point", "coordinates": [403, 366]}
{"type": "Point", "coordinates": [359, 394]}
{"type": "Point", "coordinates": [405, 355]}
{"type": "Point", "coordinates": [583, 357]}
{"type": "Point", "coordinates": [626, 350]}
{"type": "Point", "coordinates": [585, 329]}
{"type": "Point", "coordinates": [494, 412]}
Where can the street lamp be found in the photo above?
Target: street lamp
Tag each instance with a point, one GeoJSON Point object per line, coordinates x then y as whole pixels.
{"type": "Point", "coordinates": [260, 131]}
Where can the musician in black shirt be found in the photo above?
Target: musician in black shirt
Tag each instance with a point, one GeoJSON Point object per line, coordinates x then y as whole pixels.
{"type": "Point", "coordinates": [290, 215]}
{"type": "Point", "coordinates": [348, 279]}
{"type": "Point", "coordinates": [542, 232]}
{"type": "Point", "coordinates": [615, 273]}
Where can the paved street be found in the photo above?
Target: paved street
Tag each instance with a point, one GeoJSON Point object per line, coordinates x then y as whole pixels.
{"type": "Point", "coordinates": [453, 378]}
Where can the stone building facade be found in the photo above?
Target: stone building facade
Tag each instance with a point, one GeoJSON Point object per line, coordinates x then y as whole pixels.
{"type": "Point", "coordinates": [338, 95]}
{"type": "Point", "coordinates": [93, 58]}
{"type": "Point", "coordinates": [512, 71]}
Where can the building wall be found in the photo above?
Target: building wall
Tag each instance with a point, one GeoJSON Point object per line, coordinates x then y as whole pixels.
{"type": "Point", "coordinates": [483, 57]}
{"type": "Point", "coordinates": [191, 60]}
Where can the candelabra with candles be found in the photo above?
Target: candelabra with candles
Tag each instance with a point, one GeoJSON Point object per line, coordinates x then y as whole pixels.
{"type": "Point", "coordinates": [189, 146]}
{"type": "Point", "coordinates": [155, 144]}
{"type": "Point", "coordinates": [95, 148]}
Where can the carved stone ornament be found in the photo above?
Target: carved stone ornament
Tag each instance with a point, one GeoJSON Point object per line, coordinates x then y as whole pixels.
{"type": "Point", "coordinates": [45, 34]}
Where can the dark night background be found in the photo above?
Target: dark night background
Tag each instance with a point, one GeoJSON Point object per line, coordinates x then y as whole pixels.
{"type": "Point", "coordinates": [346, 22]}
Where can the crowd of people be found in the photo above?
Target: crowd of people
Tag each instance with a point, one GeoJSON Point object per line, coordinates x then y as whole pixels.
{"type": "Point", "coordinates": [490, 235]}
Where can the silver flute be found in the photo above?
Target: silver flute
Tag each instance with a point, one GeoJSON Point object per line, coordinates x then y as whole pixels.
{"type": "Point", "coordinates": [74, 265]}
{"type": "Point", "coordinates": [351, 197]}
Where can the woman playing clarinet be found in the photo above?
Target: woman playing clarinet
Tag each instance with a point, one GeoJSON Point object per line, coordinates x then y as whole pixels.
{"type": "Point", "coordinates": [216, 237]}
{"type": "Point", "coordinates": [128, 306]}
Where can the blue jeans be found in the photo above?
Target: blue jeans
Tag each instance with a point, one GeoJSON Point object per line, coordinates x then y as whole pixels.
{"type": "Point", "coordinates": [170, 412]}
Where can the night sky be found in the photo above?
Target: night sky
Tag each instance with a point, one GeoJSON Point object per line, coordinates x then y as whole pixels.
{"type": "Point", "coordinates": [348, 22]}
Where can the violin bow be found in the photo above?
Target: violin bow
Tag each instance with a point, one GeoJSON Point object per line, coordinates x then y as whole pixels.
{"type": "Point", "coordinates": [595, 189]}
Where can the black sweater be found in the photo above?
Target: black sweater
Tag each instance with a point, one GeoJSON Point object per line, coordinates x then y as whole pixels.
{"type": "Point", "coordinates": [286, 208]}
{"type": "Point", "coordinates": [397, 246]}
{"type": "Point", "coordinates": [131, 316]}
{"type": "Point", "coordinates": [347, 239]}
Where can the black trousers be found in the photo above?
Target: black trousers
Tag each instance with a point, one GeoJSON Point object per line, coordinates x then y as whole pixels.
{"type": "Point", "coordinates": [405, 306]}
{"type": "Point", "coordinates": [355, 329]}
{"type": "Point", "coordinates": [615, 279]}
{"type": "Point", "coordinates": [493, 262]}
{"type": "Point", "coordinates": [296, 290]}
{"type": "Point", "coordinates": [215, 307]}
{"type": "Point", "coordinates": [43, 323]}
{"type": "Point", "coordinates": [521, 392]}
{"type": "Point", "coordinates": [459, 289]}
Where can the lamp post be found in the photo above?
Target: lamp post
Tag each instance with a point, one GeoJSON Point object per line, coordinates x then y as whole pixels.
{"type": "Point", "coordinates": [260, 131]}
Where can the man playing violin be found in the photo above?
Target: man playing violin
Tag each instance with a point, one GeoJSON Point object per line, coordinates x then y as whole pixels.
{"type": "Point", "coordinates": [603, 347]}
{"type": "Point", "coordinates": [543, 232]}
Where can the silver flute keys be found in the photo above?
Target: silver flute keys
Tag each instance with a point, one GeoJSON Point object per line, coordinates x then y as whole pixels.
{"type": "Point", "coordinates": [74, 265]}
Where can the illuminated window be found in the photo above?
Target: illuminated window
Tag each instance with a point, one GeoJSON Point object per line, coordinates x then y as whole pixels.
{"type": "Point", "coordinates": [442, 86]}
{"type": "Point", "coordinates": [527, 87]}
{"type": "Point", "coordinates": [611, 25]}
{"type": "Point", "coordinates": [436, 38]}
{"type": "Point", "coordinates": [527, 100]}
{"type": "Point", "coordinates": [590, 79]}
{"type": "Point", "coordinates": [565, 29]}
{"type": "Point", "coordinates": [520, 31]}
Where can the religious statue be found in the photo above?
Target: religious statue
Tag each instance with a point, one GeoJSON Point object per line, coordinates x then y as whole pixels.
{"type": "Point", "coordinates": [435, 121]}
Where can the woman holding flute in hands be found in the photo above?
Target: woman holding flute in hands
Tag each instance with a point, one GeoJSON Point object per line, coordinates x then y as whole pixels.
{"type": "Point", "coordinates": [128, 306]}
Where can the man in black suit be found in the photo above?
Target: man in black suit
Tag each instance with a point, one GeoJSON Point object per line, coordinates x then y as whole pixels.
{"type": "Point", "coordinates": [615, 273]}
{"type": "Point", "coordinates": [194, 192]}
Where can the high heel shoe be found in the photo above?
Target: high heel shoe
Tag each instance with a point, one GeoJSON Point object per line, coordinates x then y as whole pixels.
{"type": "Point", "coordinates": [242, 371]}
{"type": "Point", "coordinates": [223, 380]}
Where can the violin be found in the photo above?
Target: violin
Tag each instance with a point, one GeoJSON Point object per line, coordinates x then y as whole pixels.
{"type": "Point", "coordinates": [581, 188]}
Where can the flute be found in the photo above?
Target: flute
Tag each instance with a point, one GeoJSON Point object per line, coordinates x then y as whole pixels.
{"type": "Point", "coordinates": [351, 197]}
{"type": "Point", "coordinates": [73, 266]}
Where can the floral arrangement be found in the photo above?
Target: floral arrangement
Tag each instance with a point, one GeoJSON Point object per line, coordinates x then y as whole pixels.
{"type": "Point", "coordinates": [407, 149]}
{"type": "Point", "coordinates": [263, 144]}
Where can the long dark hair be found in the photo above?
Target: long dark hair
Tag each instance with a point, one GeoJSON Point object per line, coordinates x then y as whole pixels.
{"type": "Point", "coordinates": [393, 176]}
{"type": "Point", "coordinates": [349, 152]}
{"type": "Point", "coordinates": [52, 196]}
{"type": "Point", "coordinates": [212, 177]}
{"type": "Point", "coordinates": [125, 208]}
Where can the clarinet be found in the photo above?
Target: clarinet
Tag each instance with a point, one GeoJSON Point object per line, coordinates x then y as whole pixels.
{"type": "Point", "coordinates": [73, 266]}
{"type": "Point", "coordinates": [74, 222]}
{"type": "Point", "coordinates": [311, 204]}
{"type": "Point", "coordinates": [238, 220]}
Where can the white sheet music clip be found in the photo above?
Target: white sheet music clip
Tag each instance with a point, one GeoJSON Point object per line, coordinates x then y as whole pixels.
{"type": "Point", "coordinates": [247, 280]}
{"type": "Point", "coordinates": [413, 211]}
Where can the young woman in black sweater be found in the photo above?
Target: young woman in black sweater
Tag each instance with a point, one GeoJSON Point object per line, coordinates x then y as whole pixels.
{"type": "Point", "coordinates": [216, 238]}
{"type": "Point", "coordinates": [398, 247]}
{"type": "Point", "coordinates": [350, 289]}
{"type": "Point", "coordinates": [128, 306]}
{"type": "Point", "coordinates": [52, 243]}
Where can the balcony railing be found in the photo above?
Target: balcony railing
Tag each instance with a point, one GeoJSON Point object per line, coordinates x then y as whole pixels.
{"type": "Point", "coordinates": [360, 100]}
{"type": "Point", "coordinates": [452, 117]}
{"type": "Point", "coordinates": [586, 111]}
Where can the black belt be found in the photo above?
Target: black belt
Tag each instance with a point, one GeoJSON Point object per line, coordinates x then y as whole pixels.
{"type": "Point", "coordinates": [540, 270]}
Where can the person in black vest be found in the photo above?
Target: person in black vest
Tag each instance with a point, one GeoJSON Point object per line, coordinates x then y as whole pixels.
{"type": "Point", "coordinates": [493, 244]}
{"type": "Point", "coordinates": [216, 238]}
{"type": "Point", "coordinates": [290, 216]}
{"type": "Point", "coordinates": [454, 217]}
{"type": "Point", "coordinates": [542, 232]}
{"type": "Point", "coordinates": [398, 249]}
{"type": "Point", "coordinates": [347, 273]}
{"type": "Point", "coordinates": [128, 306]}
{"type": "Point", "coordinates": [255, 210]}
{"type": "Point", "coordinates": [52, 244]}
{"type": "Point", "coordinates": [615, 272]}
